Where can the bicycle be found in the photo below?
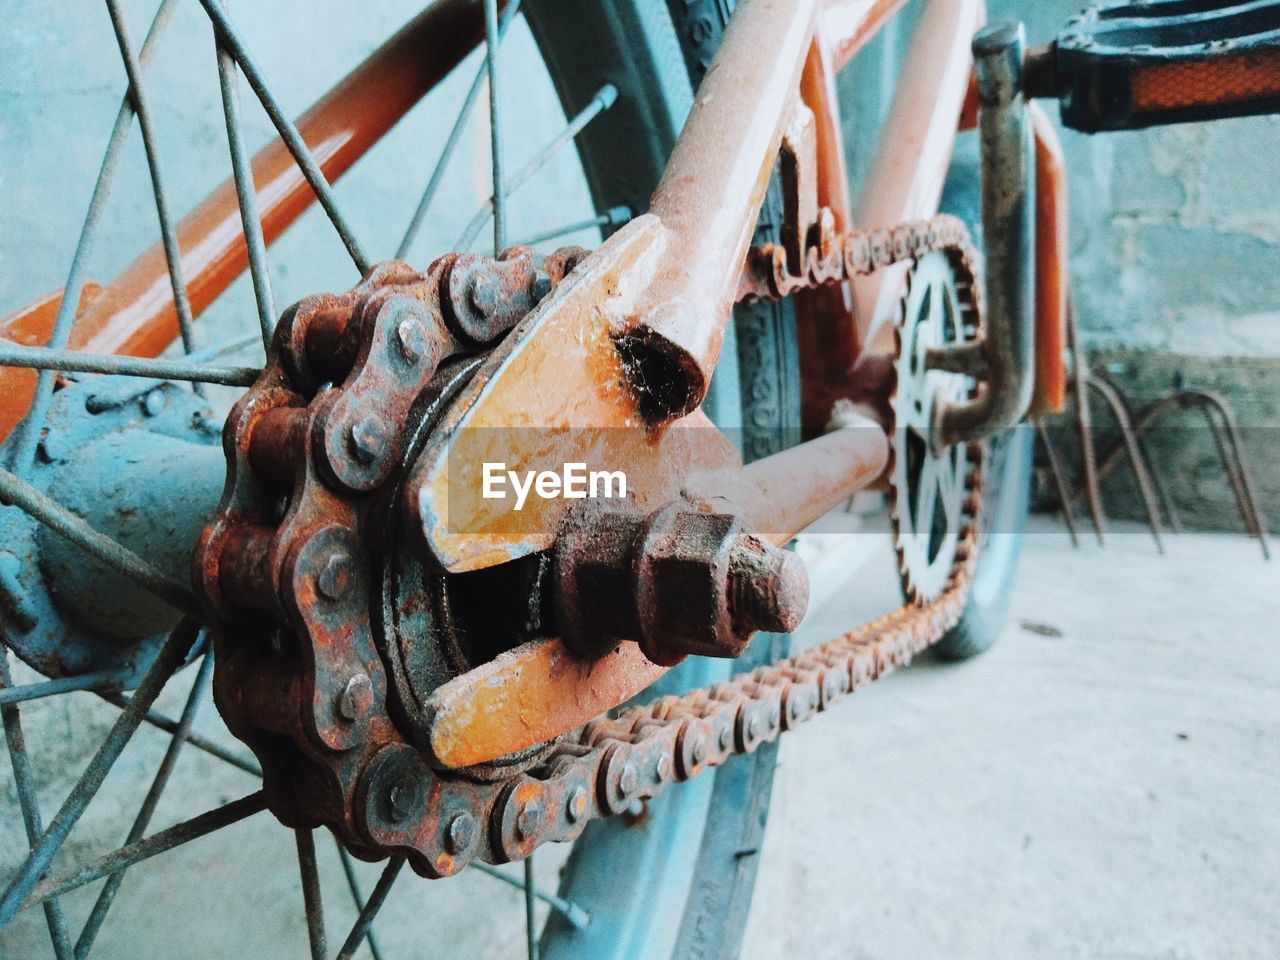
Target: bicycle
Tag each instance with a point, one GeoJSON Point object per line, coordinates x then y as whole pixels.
{"type": "Point", "coordinates": [340, 599]}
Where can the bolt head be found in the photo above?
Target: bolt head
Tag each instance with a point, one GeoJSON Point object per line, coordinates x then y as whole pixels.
{"type": "Point", "coordinates": [726, 738]}
{"type": "Point", "coordinates": [755, 727]}
{"type": "Point", "coordinates": [337, 577]}
{"type": "Point", "coordinates": [154, 403]}
{"type": "Point", "coordinates": [528, 819]}
{"type": "Point", "coordinates": [411, 339]}
{"type": "Point", "coordinates": [368, 440]}
{"type": "Point", "coordinates": [460, 833]}
{"type": "Point", "coordinates": [663, 767]}
{"type": "Point", "coordinates": [356, 698]}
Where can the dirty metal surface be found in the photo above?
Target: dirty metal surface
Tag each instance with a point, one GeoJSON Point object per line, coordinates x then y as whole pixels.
{"type": "Point", "coordinates": [91, 450]}
{"type": "Point", "coordinates": [312, 678]}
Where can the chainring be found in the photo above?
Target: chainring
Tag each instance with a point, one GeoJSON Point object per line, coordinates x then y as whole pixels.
{"type": "Point", "coordinates": [929, 489]}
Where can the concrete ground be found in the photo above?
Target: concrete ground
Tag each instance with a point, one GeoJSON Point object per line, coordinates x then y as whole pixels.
{"type": "Point", "coordinates": [1102, 784]}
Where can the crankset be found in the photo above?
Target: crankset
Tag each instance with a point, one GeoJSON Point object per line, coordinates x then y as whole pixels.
{"type": "Point", "coordinates": [929, 486]}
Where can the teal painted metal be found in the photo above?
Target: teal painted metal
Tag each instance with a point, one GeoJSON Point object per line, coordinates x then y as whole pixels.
{"type": "Point", "coordinates": [67, 614]}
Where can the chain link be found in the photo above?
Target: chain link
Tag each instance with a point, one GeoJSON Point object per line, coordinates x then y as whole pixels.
{"type": "Point", "coordinates": [348, 766]}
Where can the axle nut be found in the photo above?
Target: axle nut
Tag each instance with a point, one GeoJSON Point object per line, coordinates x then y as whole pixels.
{"type": "Point", "coordinates": [680, 582]}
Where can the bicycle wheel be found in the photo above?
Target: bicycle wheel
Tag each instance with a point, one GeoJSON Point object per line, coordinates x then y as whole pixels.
{"type": "Point", "coordinates": [636, 47]}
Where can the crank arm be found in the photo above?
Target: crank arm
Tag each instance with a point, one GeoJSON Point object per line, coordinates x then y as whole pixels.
{"type": "Point", "coordinates": [1002, 360]}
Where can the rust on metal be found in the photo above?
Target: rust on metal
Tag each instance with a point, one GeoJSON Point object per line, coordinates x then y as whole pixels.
{"type": "Point", "coordinates": [683, 580]}
{"type": "Point", "coordinates": [826, 326]}
{"type": "Point", "coordinates": [714, 183]}
{"type": "Point", "coordinates": [529, 695]}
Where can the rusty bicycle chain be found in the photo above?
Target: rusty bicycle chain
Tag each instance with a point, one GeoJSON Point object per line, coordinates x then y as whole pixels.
{"type": "Point", "coordinates": [359, 775]}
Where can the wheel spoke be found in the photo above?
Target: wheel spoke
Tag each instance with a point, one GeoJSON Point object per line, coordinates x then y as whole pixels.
{"type": "Point", "coordinates": [311, 892]}
{"type": "Point", "coordinates": [605, 97]}
{"type": "Point", "coordinates": [530, 917]}
{"type": "Point", "coordinates": [455, 137]}
{"type": "Point", "coordinates": [171, 655]}
{"type": "Point", "coordinates": [246, 191]}
{"type": "Point", "coordinates": [28, 434]}
{"type": "Point", "coordinates": [199, 688]}
{"type": "Point", "coordinates": [145, 849]}
{"type": "Point", "coordinates": [168, 235]}
{"type": "Point", "coordinates": [29, 803]}
{"type": "Point", "coordinates": [72, 361]}
{"type": "Point", "coordinates": [65, 523]}
{"type": "Point", "coordinates": [613, 217]}
{"type": "Point", "coordinates": [103, 680]}
{"type": "Point", "coordinates": [578, 917]}
{"type": "Point", "coordinates": [353, 883]}
{"type": "Point", "coordinates": [370, 911]}
{"type": "Point", "coordinates": [226, 347]}
{"type": "Point", "coordinates": [499, 199]}
{"type": "Point", "coordinates": [232, 42]}
{"type": "Point", "coordinates": [169, 725]}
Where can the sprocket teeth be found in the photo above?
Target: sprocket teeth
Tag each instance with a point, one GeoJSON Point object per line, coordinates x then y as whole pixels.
{"type": "Point", "coordinates": [923, 578]}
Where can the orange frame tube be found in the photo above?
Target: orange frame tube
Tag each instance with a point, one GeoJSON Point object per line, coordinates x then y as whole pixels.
{"type": "Point", "coordinates": [1053, 279]}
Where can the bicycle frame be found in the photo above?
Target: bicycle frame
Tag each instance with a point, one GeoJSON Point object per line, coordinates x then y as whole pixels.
{"type": "Point", "coordinates": [664, 284]}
